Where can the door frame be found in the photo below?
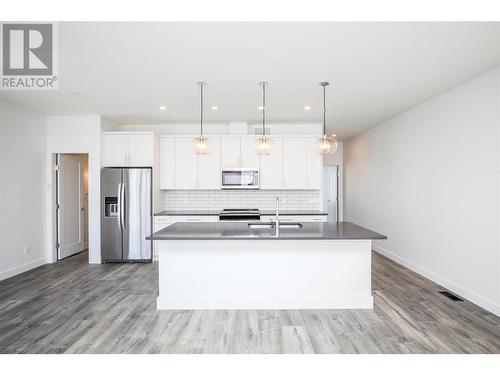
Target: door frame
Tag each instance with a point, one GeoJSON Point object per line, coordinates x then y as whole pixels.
{"type": "Point", "coordinates": [52, 217]}
{"type": "Point", "coordinates": [56, 208]}
{"type": "Point", "coordinates": [337, 181]}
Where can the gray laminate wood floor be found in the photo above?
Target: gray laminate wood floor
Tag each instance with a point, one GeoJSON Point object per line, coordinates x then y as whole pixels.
{"type": "Point", "coordinates": [74, 307]}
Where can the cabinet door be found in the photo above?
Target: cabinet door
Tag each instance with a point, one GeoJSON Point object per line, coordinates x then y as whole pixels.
{"type": "Point", "coordinates": [141, 150]}
{"type": "Point", "coordinates": [115, 150]}
{"type": "Point", "coordinates": [209, 176]}
{"type": "Point", "coordinates": [197, 219]}
{"type": "Point", "coordinates": [185, 164]}
{"type": "Point", "coordinates": [230, 152]}
{"type": "Point", "coordinates": [271, 167]}
{"type": "Point", "coordinates": [167, 163]}
{"type": "Point", "coordinates": [294, 163]}
{"type": "Point", "coordinates": [314, 165]}
{"type": "Point", "coordinates": [249, 158]}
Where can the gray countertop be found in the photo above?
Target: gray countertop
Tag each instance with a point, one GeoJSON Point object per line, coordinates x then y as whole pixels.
{"type": "Point", "coordinates": [240, 231]}
{"type": "Point", "coordinates": [262, 213]}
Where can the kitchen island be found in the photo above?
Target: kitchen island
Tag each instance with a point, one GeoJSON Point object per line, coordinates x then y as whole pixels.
{"type": "Point", "coordinates": [244, 266]}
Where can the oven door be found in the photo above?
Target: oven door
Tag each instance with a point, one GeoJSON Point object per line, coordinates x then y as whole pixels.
{"type": "Point", "coordinates": [240, 179]}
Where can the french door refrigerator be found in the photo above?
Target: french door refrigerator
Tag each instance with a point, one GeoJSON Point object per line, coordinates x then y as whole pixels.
{"type": "Point", "coordinates": [126, 214]}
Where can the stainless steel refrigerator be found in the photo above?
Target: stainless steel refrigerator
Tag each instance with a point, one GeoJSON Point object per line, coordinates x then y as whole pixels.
{"type": "Point", "coordinates": [126, 214]}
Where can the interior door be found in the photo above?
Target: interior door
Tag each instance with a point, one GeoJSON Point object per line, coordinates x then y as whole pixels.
{"type": "Point", "coordinates": [330, 192]}
{"type": "Point", "coordinates": [70, 235]}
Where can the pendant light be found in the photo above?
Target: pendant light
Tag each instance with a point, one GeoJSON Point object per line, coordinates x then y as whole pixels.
{"type": "Point", "coordinates": [325, 145]}
{"type": "Point", "coordinates": [201, 145]}
{"type": "Point", "coordinates": [263, 145]}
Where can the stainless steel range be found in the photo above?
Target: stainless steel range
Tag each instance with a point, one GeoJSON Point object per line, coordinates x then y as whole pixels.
{"type": "Point", "coordinates": [239, 214]}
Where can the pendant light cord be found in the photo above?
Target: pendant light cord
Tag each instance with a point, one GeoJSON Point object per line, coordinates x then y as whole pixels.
{"type": "Point", "coordinates": [201, 110]}
{"type": "Point", "coordinates": [264, 110]}
{"type": "Point", "coordinates": [324, 110]}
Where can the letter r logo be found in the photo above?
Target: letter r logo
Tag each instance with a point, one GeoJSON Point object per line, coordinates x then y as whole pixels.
{"type": "Point", "coordinates": [27, 49]}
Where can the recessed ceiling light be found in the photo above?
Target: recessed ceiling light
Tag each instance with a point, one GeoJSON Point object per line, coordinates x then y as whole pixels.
{"type": "Point", "coordinates": [260, 108]}
{"type": "Point", "coordinates": [215, 108]}
{"type": "Point", "coordinates": [162, 108]}
{"type": "Point", "coordinates": [307, 107]}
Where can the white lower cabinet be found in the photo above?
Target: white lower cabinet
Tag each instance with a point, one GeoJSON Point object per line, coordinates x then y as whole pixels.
{"type": "Point", "coordinates": [195, 219]}
{"type": "Point", "coordinates": [161, 222]}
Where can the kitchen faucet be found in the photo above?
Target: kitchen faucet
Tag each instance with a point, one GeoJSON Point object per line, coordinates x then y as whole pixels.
{"type": "Point", "coordinates": [277, 224]}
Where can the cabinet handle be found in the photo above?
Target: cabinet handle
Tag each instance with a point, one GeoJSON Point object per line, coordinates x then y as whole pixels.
{"type": "Point", "coordinates": [193, 219]}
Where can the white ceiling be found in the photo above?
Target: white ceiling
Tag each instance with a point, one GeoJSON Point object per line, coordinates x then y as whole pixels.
{"type": "Point", "coordinates": [125, 71]}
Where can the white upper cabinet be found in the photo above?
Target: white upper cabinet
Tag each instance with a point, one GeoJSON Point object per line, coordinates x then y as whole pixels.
{"type": "Point", "coordinates": [185, 164]}
{"type": "Point", "coordinates": [115, 150]}
{"type": "Point", "coordinates": [271, 167]}
{"type": "Point", "coordinates": [249, 158]}
{"type": "Point", "coordinates": [141, 150]}
{"type": "Point", "coordinates": [230, 152]}
{"type": "Point", "coordinates": [209, 175]}
{"type": "Point", "coordinates": [167, 163]}
{"type": "Point", "coordinates": [314, 165]}
{"type": "Point", "coordinates": [294, 163]}
{"type": "Point", "coordinates": [121, 149]}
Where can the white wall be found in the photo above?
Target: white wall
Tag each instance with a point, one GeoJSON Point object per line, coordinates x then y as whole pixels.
{"type": "Point", "coordinates": [429, 179]}
{"type": "Point", "coordinates": [77, 134]}
{"type": "Point", "coordinates": [22, 198]}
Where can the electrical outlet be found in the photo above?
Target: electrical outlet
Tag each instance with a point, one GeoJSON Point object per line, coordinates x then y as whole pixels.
{"type": "Point", "coordinates": [26, 250]}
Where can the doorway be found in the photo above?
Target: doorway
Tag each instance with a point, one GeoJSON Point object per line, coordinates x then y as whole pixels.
{"type": "Point", "coordinates": [331, 192]}
{"type": "Point", "coordinates": [71, 204]}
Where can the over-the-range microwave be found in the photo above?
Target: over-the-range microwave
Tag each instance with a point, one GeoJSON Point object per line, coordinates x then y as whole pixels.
{"type": "Point", "coordinates": [240, 178]}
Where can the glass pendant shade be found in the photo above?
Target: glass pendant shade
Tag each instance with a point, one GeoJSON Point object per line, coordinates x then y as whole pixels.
{"type": "Point", "coordinates": [263, 145]}
{"type": "Point", "coordinates": [201, 145]}
{"type": "Point", "coordinates": [325, 145]}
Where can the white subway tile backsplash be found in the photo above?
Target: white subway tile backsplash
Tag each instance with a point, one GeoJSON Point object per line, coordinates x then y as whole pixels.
{"type": "Point", "coordinates": [219, 199]}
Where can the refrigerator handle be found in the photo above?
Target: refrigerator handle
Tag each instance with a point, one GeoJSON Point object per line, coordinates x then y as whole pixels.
{"type": "Point", "coordinates": [120, 206]}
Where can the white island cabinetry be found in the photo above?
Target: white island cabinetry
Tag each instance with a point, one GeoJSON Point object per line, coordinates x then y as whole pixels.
{"type": "Point", "coordinates": [232, 266]}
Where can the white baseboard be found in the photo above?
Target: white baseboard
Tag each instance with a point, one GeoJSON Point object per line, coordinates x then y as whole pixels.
{"type": "Point", "coordinates": [22, 268]}
{"type": "Point", "coordinates": [455, 288]}
{"type": "Point", "coordinates": [264, 303]}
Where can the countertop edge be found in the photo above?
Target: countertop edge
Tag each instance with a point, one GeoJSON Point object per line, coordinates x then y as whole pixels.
{"type": "Point", "coordinates": [153, 238]}
{"type": "Point", "coordinates": [201, 213]}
